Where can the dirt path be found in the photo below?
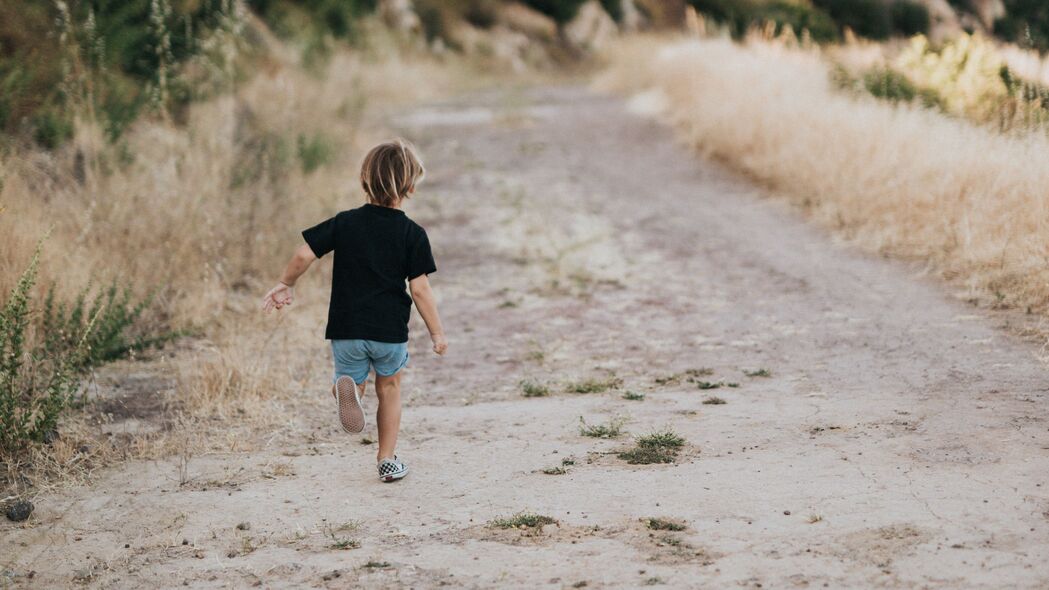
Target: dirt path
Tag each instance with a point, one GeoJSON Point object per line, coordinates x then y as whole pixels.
{"type": "Point", "coordinates": [899, 441]}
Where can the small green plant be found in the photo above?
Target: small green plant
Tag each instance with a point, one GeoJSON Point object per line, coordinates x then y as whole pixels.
{"type": "Point", "coordinates": [657, 447]}
{"type": "Point", "coordinates": [533, 389]}
{"type": "Point", "coordinates": [376, 565]}
{"type": "Point", "coordinates": [612, 429]}
{"type": "Point", "coordinates": [708, 384]}
{"type": "Point", "coordinates": [663, 524]}
{"type": "Point", "coordinates": [758, 373]}
{"type": "Point", "coordinates": [714, 401]}
{"type": "Point", "coordinates": [671, 541]}
{"type": "Point", "coordinates": [690, 375]}
{"type": "Point", "coordinates": [567, 461]}
{"type": "Point", "coordinates": [593, 385]}
{"type": "Point", "coordinates": [634, 396]}
{"type": "Point", "coordinates": [339, 542]}
{"type": "Point", "coordinates": [559, 470]}
{"type": "Point", "coordinates": [115, 322]}
{"type": "Point", "coordinates": [36, 383]}
{"type": "Point", "coordinates": [522, 520]}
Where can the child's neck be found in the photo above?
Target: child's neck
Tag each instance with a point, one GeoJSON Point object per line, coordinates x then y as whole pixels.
{"type": "Point", "coordinates": [396, 205]}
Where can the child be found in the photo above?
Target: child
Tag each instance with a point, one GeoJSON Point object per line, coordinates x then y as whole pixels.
{"type": "Point", "coordinates": [376, 249]}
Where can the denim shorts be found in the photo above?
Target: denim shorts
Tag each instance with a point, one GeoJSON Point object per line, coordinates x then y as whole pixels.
{"type": "Point", "coordinates": [355, 358]}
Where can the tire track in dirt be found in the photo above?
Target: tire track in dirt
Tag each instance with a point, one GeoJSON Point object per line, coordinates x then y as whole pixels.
{"type": "Point", "coordinates": [897, 441]}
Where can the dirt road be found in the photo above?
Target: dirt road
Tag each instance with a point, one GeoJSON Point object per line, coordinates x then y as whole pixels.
{"type": "Point", "coordinates": [875, 431]}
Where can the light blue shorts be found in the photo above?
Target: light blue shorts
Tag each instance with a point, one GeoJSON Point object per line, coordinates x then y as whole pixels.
{"type": "Point", "coordinates": [355, 358]}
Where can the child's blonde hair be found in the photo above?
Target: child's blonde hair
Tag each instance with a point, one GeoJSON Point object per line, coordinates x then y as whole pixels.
{"type": "Point", "coordinates": [390, 172]}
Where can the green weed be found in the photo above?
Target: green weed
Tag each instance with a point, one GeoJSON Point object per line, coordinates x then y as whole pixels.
{"type": "Point", "coordinates": [714, 401]}
{"type": "Point", "coordinates": [758, 373]}
{"type": "Point", "coordinates": [634, 396]}
{"type": "Point", "coordinates": [533, 389]}
{"type": "Point", "coordinates": [593, 385]}
{"type": "Point", "coordinates": [612, 429]}
{"type": "Point", "coordinates": [657, 447]}
{"type": "Point", "coordinates": [522, 520]}
{"type": "Point", "coordinates": [663, 524]}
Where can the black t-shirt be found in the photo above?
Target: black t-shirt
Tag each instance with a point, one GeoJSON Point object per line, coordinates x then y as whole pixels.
{"type": "Point", "coordinates": [376, 250]}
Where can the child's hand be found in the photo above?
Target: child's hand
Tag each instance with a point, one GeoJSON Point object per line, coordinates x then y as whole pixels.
{"type": "Point", "coordinates": [439, 343]}
{"type": "Point", "coordinates": [278, 297]}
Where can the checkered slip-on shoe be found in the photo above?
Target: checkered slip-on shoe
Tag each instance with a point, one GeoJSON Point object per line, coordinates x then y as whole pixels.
{"type": "Point", "coordinates": [392, 469]}
{"type": "Point", "coordinates": [351, 414]}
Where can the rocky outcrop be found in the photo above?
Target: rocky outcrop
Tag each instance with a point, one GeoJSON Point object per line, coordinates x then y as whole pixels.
{"type": "Point", "coordinates": [632, 19]}
{"type": "Point", "coordinates": [591, 28]}
{"type": "Point", "coordinates": [943, 20]}
{"type": "Point", "coordinates": [663, 13]}
{"type": "Point", "coordinates": [400, 16]}
{"type": "Point", "coordinates": [518, 17]}
{"type": "Point", "coordinates": [988, 11]}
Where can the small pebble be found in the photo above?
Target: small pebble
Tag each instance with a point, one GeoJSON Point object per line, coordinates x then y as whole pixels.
{"type": "Point", "coordinates": [244, 526]}
{"type": "Point", "coordinates": [787, 512]}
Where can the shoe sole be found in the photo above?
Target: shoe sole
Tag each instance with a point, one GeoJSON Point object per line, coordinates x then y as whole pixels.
{"type": "Point", "coordinates": [394, 476]}
{"type": "Point", "coordinates": [351, 414]}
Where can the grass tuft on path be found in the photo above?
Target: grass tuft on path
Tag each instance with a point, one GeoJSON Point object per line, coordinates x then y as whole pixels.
{"type": "Point", "coordinates": [657, 447]}
{"type": "Point", "coordinates": [523, 520]}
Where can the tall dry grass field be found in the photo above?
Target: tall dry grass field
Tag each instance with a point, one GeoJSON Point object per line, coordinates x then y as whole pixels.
{"type": "Point", "coordinates": [900, 180]}
{"type": "Point", "coordinates": [204, 212]}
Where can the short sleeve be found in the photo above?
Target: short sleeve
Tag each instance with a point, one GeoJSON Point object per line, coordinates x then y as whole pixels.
{"type": "Point", "coordinates": [321, 237]}
{"type": "Point", "coordinates": [420, 258]}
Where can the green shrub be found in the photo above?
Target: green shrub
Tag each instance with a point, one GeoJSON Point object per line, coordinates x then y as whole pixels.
{"type": "Point", "coordinates": [335, 17]}
{"type": "Point", "coordinates": [107, 325]}
{"type": "Point", "coordinates": [1025, 22]}
{"type": "Point", "coordinates": [740, 15]}
{"type": "Point", "coordinates": [868, 18]}
{"type": "Point", "coordinates": [36, 385]}
{"type": "Point", "coordinates": [44, 351]}
{"type": "Point", "coordinates": [315, 151]}
{"type": "Point", "coordinates": [819, 24]}
{"type": "Point", "coordinates": [51, 128]}
{"type": "Point", "coordinates": [561, 11]}
{"type": "Point", "coordinates": [887, 83]}
{"type": "Point", "coordinates": [910, 18]}
{"type": "Point", "coordinates": [614, 8]}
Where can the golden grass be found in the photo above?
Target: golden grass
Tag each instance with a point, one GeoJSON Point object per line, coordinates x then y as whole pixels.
{"type": "Point", "coordinates": [902, 181]}
{"type": "Point", "coordinates": [207, 211]}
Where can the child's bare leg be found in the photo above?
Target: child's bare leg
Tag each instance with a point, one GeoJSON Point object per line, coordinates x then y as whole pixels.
{"type": "Point", "coordinates": [388, 416]}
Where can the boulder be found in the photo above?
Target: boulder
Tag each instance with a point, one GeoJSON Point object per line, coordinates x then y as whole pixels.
{"type": "Point", "coordinates": [663, 13]}
{"type": "Point", "coordinates": [943, 20]}
{"type": "Point", "coordinates": [400, 16]}
{"type": "Point", "coordinates": [988, 11]}
{"type": "Point", "coordinates": [518, 17]}
{"type": "Point", "coordinates": [632, 19]}
{"type": "Point", "coordinates": [591, 28]}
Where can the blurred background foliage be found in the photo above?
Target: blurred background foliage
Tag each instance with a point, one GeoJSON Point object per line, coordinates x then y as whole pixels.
{"type": "Point", "coordinates": [117, 59]}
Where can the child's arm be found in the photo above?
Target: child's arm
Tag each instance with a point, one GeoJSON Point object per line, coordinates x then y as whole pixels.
{"type": "Point", "coordinates": [422, 294]}
{"type": "Point", "coordinates": [283, 294]}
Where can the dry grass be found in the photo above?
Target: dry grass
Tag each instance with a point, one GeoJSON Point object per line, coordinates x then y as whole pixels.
{"type": "Point", "coordinates": [906, 182]}
{"type": "Point", "coordinates": [207, 211]}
